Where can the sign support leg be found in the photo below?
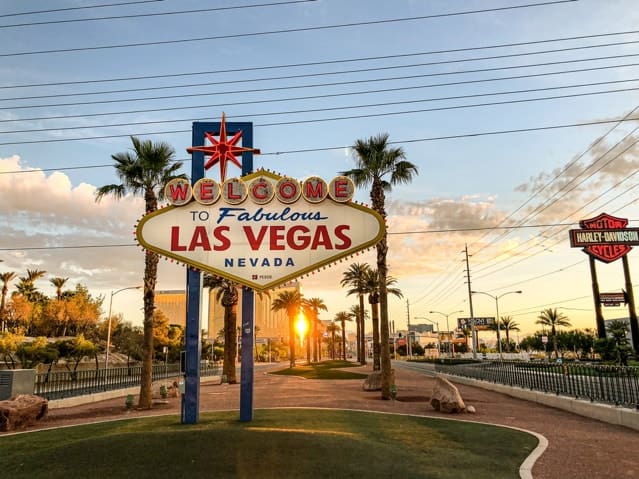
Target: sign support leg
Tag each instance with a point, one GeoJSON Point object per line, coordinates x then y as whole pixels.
{"type": "Point", "coordinates": [601, 327]}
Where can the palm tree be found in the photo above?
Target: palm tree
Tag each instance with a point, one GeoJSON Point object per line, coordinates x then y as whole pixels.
{"type": "Point", "coordinates": [553, 318]}
{"type": "Point", "coordinates": [377, 160]}
{"type": "Point", "coordinates": [144, 172]}
{"type": "Point", "coordinates": [6, 278]}
{"type": "Point", "coordinates": [313, 306]}
{"type": "Point", "coordinates": [356, 312]}
{"type": "Point", "coordinates": [355, 277]}
{"type": "Point", "coordinates": [228, 295]}
{"type": "Point", "coordinates": [342, 317]}
{"type": "Point", "coordinates": [332, 328]}
{"type": "Point", "coordinates": [59, 284]}
{"type": "Point", "coordinates": [289, 301]}
{"type": "Point", "coordinates": [371, 284]}
{"type": "Point", "coordinates": [508, 324]}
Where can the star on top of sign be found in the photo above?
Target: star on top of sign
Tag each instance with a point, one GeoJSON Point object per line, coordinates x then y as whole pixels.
{"type": "Point", "coordinates": [222, 150]}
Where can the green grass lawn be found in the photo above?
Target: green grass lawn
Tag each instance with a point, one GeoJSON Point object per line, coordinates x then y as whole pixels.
{"type": "Point", "coordinates": [294, 443]}
{"type": "Point", "coordinates": [323, 370]}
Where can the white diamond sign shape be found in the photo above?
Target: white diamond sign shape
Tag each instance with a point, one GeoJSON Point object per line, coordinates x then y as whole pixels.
{"type": "Point", "coordinates": [260, 245]}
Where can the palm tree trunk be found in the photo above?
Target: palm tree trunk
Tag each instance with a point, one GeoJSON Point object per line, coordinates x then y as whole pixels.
{"type": "Point", "coordinates": [362, 332]}
{"type": "Point", "coordinates": [230, 344]}
{"type": "Point", "coordinates": [291, 341]}
{"type": "Point", "coordinates": [150, 275]}
{"type": "Point", "coordinates": [344, 340]}
{"type": "Point", "coordinates": [376, 348]}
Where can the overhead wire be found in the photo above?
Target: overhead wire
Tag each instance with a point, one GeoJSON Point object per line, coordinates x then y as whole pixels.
{"type": "Point", "coordinates": [358, 59]}
{"type": "Point", "coordinates": [153, 14]}
{"type": "Point", "coordinates": [339, 108]}
{"type": "Point", "coordinates": [281, 31]}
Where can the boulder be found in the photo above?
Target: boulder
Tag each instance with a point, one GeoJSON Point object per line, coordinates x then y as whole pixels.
{"type": "Point", "coordinates": [446, 397]}
{"type": "Point", "coordinates": [373, 381]}
{"type": "Point", "coordinates": [21, 411]}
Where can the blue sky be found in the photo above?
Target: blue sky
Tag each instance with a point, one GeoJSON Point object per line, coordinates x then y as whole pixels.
{"type": "Point", "coordinates": [465, 182]}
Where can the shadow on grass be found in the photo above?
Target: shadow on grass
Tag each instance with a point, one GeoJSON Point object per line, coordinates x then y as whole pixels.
{"type": "Point", "coordinates": [294, 443]}
{"type": "Point", "coordinates": [323, 370]}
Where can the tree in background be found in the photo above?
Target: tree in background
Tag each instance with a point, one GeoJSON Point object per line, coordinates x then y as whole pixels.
{"type": "Point", "coordinates": [382, 167]}
{"type": "Point", "coordinates": [6, 278]}
{"type": "Point", "coordinates": [9, 343]}
{"type": "Point", "coordinates": [312, 307]}
{"type": "Point", "coordinates": [372, 288]}
{"type": "Point", "coordinates": [354, 278]}
{"type": "Point", "coordinates": [508, 324]}
{"type": "Point", "coordinates": [291, 302]}
{"type": "Point", "coordinates": [342, 317]}
{"type": "Point", "coordinates": [145, 171]}
{"type": "Point", "coordinates": [227, 294]}
{"type": "Point", "coordinates": [553, 319]}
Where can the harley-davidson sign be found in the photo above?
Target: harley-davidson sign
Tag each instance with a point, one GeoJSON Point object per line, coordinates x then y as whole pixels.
{"type": "Point", "coordinates": [605, 237]}
{"type": "Point", "coordinates": [260, 230]}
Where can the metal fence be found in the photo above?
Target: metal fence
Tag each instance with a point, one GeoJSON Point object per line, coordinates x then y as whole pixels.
{"type": "Point", "coordinates": [65, 384]}
{"type": "Point", "coordinates": [616, 385]}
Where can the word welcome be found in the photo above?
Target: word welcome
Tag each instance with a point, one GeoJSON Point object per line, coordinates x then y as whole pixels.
{"type": "Point", "coordinates": [261, 190]}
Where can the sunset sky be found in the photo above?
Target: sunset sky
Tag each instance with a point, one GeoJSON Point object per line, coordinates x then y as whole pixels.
{"type": "Point", "coordinates": [509, 108]}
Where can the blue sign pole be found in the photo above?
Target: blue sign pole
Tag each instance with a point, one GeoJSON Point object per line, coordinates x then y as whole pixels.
{"type": "Point", "coordinates": [248, 309]}
{"type": "Point", "coordinates": [190, 406]}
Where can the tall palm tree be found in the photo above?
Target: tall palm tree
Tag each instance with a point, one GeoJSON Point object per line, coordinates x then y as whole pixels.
{"type": "Point", "coordinates": [332, 328]}
{"type": "Point", "coordinates": [382, 167]}
{"type": "Point", "coordinates": [291, 302]}
{"type": "Point", "coordinates": [356, 313]}
{"type": "Point", "coordinates": [145, 171]}
{"type": "Point", "coordinates": [508, 324]}
{"type": "Point", "coordinates": [6, 278]}
{"type": "Point", "coordinates": [354, 277]}
{"type": "Point", "coordinates": [371, 284]}
{"type": "Point", "coordinates": [342, 317]}
{"type": "Point", "coordinates": [59, 284]}
{"type": "Point", "coordinates": [553, 319]}
{"type": "Point", "coordinates": [227, 294]}
{"type": "Point", "coordinates": [313, 306]}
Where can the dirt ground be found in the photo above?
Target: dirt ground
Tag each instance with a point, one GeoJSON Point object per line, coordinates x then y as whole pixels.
{"type": "Point", "coordinates": [578, 447]}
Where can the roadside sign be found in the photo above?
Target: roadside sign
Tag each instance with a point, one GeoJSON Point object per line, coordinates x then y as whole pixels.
{"type": "Point", "coordinates": [481, 323]}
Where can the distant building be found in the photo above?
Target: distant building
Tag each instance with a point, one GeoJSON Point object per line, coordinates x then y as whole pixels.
{"type": "Point", "coordinates": [268, 324]}
{"type": "Point", "coordinates": [421, 328]}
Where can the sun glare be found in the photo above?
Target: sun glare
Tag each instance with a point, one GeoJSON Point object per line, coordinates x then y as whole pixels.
{"type": "Point", "coordinates": [300, 326]}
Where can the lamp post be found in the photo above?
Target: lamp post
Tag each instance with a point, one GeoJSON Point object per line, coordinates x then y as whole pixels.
{"type": "Point", "coordinates": [108, 344]}
{"type": "Point", "coordinates": [496, 298]}
{"type": "Point", "coordinates": [436, 323]}
{"type": "Point", "coordinates": [450, 341]}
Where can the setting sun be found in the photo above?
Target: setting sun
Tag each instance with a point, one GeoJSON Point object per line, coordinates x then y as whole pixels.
{"type": "Point", "coordinates": [300, 326]}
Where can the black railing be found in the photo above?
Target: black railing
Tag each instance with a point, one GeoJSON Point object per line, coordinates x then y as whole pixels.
{"type": "Point", "coordinates": [616, 385]}
{"type": "Point", "coordinates": [65, 384]}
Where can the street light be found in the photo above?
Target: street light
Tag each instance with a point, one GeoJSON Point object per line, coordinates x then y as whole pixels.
{"type": "Point", "coordinates": [436, 323]}
{"type": "Point", "coordinates": [108, 345]}
{"type": "Point", "coordinates": [496, 298]}
{"type": "Point", "coordinates": [450, 347]}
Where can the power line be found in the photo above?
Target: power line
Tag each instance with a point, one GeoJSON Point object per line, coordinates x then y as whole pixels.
{"type": "Point", "coordinates": [349, 60]}
{"type": "Point", "coordinates": [78, 8]}
{"type": "Point", "coordinates": [339, 108]}
{"type": "Point", "coordinates": [282, 31]}
{"type": "Point", "coordinates": [328, 148]}
{"type": "Point", "coordinates": [305, 75]}
{"type": "Point", "coordinates": [157, 14]}
{"type": "Point", "coordinates": [351, 82]}
{"type": "Point", "coordinates": [310, 97]}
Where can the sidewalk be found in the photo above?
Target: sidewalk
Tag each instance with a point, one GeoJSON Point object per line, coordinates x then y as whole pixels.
{"type": "Point", "coordinates": [578, 447]}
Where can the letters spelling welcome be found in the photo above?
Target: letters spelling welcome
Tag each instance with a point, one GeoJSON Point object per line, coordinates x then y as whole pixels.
{"type": "Point", "coordinates": [274, 237]}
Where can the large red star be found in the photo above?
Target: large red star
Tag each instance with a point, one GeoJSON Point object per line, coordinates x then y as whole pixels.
{"type": "Point", "coordinates": [222, 150]}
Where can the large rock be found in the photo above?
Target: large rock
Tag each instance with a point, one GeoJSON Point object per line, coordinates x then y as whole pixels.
{"type": "Point", "coordinates": [446, 397]}
{"type": "Point", "coordinates": [21, 411]}
{"type": "Point", "coordinates": [374, 381]}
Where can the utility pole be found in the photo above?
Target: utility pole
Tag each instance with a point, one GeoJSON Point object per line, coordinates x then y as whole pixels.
{"type": "Point", "coordinates": [473, 333]}
{"type": "Point", "coordinates": [409, 346]}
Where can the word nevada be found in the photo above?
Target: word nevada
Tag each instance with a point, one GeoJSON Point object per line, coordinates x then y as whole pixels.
{"type": "Point", "coordinates": [261, 190]}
